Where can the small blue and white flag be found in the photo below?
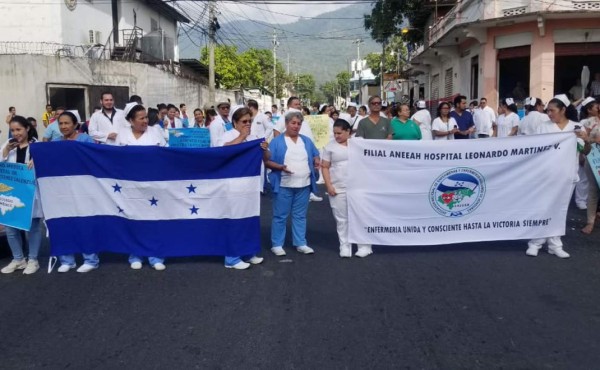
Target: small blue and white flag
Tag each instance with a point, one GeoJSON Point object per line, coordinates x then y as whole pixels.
{"type": "Point", "coordinates": [150, 201]}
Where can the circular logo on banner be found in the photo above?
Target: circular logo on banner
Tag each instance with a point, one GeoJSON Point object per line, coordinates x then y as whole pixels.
{"type": "Point", "coordinates": [457, 192]}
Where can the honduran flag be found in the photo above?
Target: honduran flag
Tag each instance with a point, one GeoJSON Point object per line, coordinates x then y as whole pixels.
{"type": "Point", "coordinates": [150, 201]}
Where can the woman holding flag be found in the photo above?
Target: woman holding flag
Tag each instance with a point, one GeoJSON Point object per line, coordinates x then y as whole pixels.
{"type": "Point", "coordinates": [242, 122]}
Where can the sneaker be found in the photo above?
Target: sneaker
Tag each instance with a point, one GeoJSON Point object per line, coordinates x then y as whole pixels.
{"type": "Point", "coordinates": [345, 252]}
{"type": "Point", "coordinates": [86, 268]}
{"type": "Point", "coordinates": [559, 252]}
{"type": "Point", "coordinates": [65, 268]}
{"type": "Point", "coordinates": [255, 260]}
{"type": "Point", "coordinates": [278, 251]}
{"type": "Point", "coordinates": [32, 267]}
{"type": "Point", "coordinates": [581, 206]}
{"type": "Point", "coordinates": [14, 265]}
{"type": "Point", "coordinates": [314, 198]}
{"type": "Point", "coordinates": [532, 251]}
{"type": "Point", "coordinates": [363, 252]}
{"type": "Point", "coordinates": [159, 266]}
{"type": "Point", "coordinates": [136, 265]}
{"type": "Point", "coordinates": [239, 266]}
{"type": "Point", "coordinates": [305, 249]}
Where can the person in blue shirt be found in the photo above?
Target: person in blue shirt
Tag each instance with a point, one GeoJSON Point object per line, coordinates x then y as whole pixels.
{"type": "Point", "coordinates": [68, 124]}
{"type": "Point", "coordinates": [52, 132]}
{"type": "Point", "coordinates": [464, 118]}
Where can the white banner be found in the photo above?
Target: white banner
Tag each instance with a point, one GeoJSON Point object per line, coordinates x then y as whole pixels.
{"type": "Point", "coordinates": [454, 191]}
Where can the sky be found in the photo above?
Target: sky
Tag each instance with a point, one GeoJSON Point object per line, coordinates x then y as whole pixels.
{"type": "Point", "coordinates": [252, 11]}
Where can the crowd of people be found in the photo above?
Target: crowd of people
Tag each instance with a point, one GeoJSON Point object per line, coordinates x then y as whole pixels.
{"type": "Point", "coordinates": [293, 163]}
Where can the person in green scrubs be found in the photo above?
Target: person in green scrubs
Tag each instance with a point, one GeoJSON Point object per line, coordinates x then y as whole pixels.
{"type": "Point", "coordinates": [402, 126]}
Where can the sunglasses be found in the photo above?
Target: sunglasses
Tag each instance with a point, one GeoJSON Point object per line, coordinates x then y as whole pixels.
{"type": "Point", "coordinates": [246, 121]}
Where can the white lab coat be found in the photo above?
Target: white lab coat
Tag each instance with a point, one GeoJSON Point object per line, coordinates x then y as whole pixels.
{"type": "Point", "coordinates": [101, 126]}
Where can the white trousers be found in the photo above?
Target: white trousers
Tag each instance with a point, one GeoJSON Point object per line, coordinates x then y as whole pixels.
{"type": "Point", "coordinates": [339, 207]}
{"type": "Point", "coordinates": [554, 242]}
{"type": "Point", "coordinates": [581, 189]}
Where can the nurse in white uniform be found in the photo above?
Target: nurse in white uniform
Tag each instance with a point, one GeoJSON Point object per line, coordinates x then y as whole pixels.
{"type": "Point", "coordinates": [534, 117]}
{"type": "Point", "coordinates": [561, 114]}
{"type": "Point", "coordinates": [140, 134]}
{"type": "Point", "coordinates": [242, 123]}
{"type": "Point", "coordinates": [508, 122]}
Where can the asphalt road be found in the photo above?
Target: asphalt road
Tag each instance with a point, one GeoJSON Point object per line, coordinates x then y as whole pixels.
{"type": "Point", "coordinates": [470, 306]}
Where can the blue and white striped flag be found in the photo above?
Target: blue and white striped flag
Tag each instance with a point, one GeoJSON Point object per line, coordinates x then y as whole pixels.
{"type": "Point", "coordinates": [150, 201]}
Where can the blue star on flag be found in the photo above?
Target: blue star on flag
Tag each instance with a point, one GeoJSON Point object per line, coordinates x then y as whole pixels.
{"type": "Point", "coordinates": [194, 210]}
{"type": "Point", "coordinates": [121, 210]}
{"type": "Point", "coordinates": [191, 188]}
{"type": "Point", "coordinates": [153, 201]}
{"type": "Point", "coordinates": [117, 188]}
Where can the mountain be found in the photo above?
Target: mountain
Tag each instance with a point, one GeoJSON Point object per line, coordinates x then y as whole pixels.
{"type": "Point", "coordinates": [321, 46]}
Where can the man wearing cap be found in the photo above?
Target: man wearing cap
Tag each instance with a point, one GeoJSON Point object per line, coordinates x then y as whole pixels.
{"type": "Point", "coordinates": [221, 124]}
{"type": "Point", "coordinates": [105, 124]}
{"type": "Point", "coordinates": [463, 118]}
{"type": "Point", "coordinates": [484, 118]}
{"type": "Point", "coordinates": [422, 117]}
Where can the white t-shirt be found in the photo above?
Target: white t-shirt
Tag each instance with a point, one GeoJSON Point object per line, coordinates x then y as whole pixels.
{"type": "Point", "coordinates": [167, 123]}
{"type": "Point", "coordinates": [262, 127]}
{"type": "Point", "coordinates": [150, 137]}
{"type": "Point", "coordinates": [296, 160]}
{"type": "Point", "coordinates": [439, 125]}
{"type": "Point", "coordinates": [304, 129]}
{"type": "Point", "coordinates": [231, 135]}
{"type": "Point", "coordinates": [422, 118]}
{"type": "Point", "coordinates": [506, 124]}
{"type": "Point", "coordinates": [530, 123]}
{"type": "Point", "coordinates": [484, 121]}
{"type": "Point", "coordinates": [337, 155]}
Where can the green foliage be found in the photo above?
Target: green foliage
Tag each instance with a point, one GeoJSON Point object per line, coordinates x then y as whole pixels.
{"type": "Point", "coordinates": [392, 62]}
{"type": "Point", "coordinates": [389, 17]}
{"type": "Point", "coordinates": [343, 80]}
{"type": "Point", "coordinates": [304, 87]}
{"type": "Point", "coordinates": [252, 68]}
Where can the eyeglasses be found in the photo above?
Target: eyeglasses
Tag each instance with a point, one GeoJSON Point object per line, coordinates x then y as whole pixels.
{"type": "Point", "coordinates": [375, 103]}
{"type": "Point", "coordinates": [246, 121]}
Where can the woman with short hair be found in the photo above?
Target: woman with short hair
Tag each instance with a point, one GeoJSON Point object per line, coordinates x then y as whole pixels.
{"type": "Point", "coordinates": [403, 127]}
{"type": "Point", "coordinates": [294, 168]}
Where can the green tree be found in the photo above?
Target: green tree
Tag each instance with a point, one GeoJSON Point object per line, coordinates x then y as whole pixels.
{"type": "Point", "coordinates": [393, 62]}
{"type": "Point", "coordinates": [343, 80]}
{"type": "Point", "coordinates": [390, 17]}
{"type": "Point", "coordinates": [304, 86]}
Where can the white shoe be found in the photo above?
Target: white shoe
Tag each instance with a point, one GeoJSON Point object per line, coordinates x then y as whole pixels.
{"type": "Point", "coordinates": [532, 251]}
{"type": "Point", "coordinates": [65, 268]}
{"type": "Point", "coordinates": [255, 260]}
{"type": "Point", "coordinates": [278, 251]}
{"type": "Point", "coordinates": [345, 252]}
{"type": "Point", "coordinates": [305, 249]}
{"type": "Point", "coordinates": [314, 198]}
{"type": "Point", "coordinates": [581, 206]}
{"type": "Point", "coordinates": [159, 266]}
{"type": "Point", "coordinates": [559, 252]}
{"type": "Point", "coordinates": [136, 265]}
{"type": "Point", "coordinates": [13, 266]}
{"type": "Point", "coordinates": [363, 252]}
{"type": "Point", "coordinates": [86, 268]}
{"type": "Point", "coordinates": [32, 267]}
{"type": "Point", "coordinates": [239, 266]}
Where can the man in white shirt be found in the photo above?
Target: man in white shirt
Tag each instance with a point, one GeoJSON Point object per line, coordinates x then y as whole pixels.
{"type": "Point", "coordinates": [220, 124]}
{"type": "Point", "coordinates": [293, 105]}
{"type": "Point", "coordinates": [595, 86]}
{"type": "Point", "coordinates": [422, 117]}
{"type": "Point", "coordinates": [485, 120]}
{"type": "Point", "coordinates": [261, 124]}
{"type": "Point", "coordinates": [106, 123]}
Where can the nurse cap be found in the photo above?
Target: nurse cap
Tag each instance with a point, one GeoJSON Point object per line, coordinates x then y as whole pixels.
{"type": "Point", "coordinates": [587, 101]}
{"type": "Point", "coordinates": [564, 99]}
{"type": "Point", "coordinates": [233, 110]}
{"type": "Point", "coordinates": [128, 108]}
{"type": "Point", "coordinates": [421, 104]}
{"type": "Point", "coordinates": [352, 104]}
{"type": "Point", "coordinates": [322, 106]}
{"type": "Point", "coordinates": [76, 114]}
{"type": "Point", "coordinates": [509, 101]}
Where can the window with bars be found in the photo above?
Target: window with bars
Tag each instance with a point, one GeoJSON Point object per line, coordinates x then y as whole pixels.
{"type": "Point", "coordinates": [448, 82]}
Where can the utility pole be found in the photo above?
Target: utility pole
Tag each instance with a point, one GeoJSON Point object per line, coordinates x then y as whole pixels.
{"type": "Point", "coordinates": [288, 64]}
{"type": "Point", "coordinates": [359, 68]}
{"type": "Point", "coordinates": [213, 25]}
{"type": "Point", "coordinates": [382, 70]}
{"type": "Point", "coordinates": [275, 45]}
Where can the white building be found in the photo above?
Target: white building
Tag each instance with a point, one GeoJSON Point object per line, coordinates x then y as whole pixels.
{"type": "Point", "coordinates": [361, 77]}
{"type": "Point", "coordinates": [506, 48]}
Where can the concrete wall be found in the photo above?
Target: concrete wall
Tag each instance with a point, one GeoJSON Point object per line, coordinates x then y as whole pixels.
{"type": "Point", "coordinates": [24, 80]}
